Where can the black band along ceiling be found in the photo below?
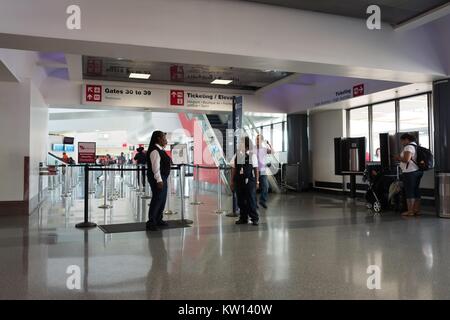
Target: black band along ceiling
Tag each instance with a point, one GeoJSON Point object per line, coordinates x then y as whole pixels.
{"type": "Point", "coordinates": [393, 12]}
{"type": "Point", "coordinates": [110, 69]}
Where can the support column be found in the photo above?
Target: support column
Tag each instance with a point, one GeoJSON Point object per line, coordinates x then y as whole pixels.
{"type": "Point", "coordinates": [298, 148]}
{"type": "Point", "coordinates": [441, 117]}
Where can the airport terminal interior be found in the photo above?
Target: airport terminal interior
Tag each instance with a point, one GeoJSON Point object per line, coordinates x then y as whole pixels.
{"type": "Point", "coordinates": [325, 92]}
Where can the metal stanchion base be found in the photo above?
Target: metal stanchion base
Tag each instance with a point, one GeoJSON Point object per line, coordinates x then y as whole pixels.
{"type": "Point", "coordinates": [66, 195]}
{"type": "Point", "coordinates": [169, 212]}
{"type": "Point", "coordinates": [146, 197]}
{"type": "Point", "coordinates": [233, 215]}
{"type": "Point", "coordinates": [220, 211]}
{"type": "Point", "coordinates": [105, 206]}
{"type": "Point", "coordinates": [86, 225]}
{"type": "Point", "coordinates": [196, 203]}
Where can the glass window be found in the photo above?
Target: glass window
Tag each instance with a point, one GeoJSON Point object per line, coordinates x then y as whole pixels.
{"type": "Point", "coordinates": [383, 121]}
{"type": "Point", "coordinates": [266, 134]}
{"type": "Point", "coordinates": [359, 126]}
{"type": "Point", "coordinates": [277, 137]}
{"type": "Point", "coordinates": [414, 117]}
{"type": "Point", "coordinates": [285, 137]}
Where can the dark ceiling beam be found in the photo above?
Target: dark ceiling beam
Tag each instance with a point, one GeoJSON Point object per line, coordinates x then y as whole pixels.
{"type": "Point", "coordinates": [424, 18]}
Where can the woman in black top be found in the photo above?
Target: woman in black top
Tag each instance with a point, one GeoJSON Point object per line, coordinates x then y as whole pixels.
{"type": "Point", "coordinates": [158, 164]}
{"type": "Point", "coordinates": [141, 161]}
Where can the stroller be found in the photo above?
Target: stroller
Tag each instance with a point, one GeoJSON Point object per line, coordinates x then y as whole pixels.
{"type": "Point", "coordinates": [380, 195]}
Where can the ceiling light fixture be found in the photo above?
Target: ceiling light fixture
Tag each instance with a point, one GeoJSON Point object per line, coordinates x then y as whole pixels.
{"type": "Point", "coordinates": [139, 75]}
{"type": "Point", "coordinates": [221, 81]}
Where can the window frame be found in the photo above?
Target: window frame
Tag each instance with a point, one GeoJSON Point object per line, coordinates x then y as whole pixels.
{"type": "Point", "coordinates": [397, 117]}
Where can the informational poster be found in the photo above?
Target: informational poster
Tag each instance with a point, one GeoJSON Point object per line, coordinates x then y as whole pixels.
{"type": "Point", "coordinates": [86, 152]}
{"type": "Point", "coordinates": [179, 154]}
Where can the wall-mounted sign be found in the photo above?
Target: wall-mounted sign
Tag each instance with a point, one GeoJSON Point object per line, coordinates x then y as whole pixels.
{"type": "Point", "coordinates": [179, 154]}
{"type": "Point", "coordinates": [86, 152]}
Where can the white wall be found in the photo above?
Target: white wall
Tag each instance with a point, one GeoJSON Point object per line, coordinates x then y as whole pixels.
{"type": "Point", "coordinates": [38, 138]}
{"type": "Point", "coordinates": [15, 134]}
{"type": "Point", "coordinates": [324, 127]}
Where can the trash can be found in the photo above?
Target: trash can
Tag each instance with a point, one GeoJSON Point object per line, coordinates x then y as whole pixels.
{"type": "Point", "coordinates": [443, 203]}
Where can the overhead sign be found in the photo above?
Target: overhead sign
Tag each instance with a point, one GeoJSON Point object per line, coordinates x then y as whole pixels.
{"type": "Point", "coordinates": [94, 67]}
{"type": "Point", "coordinates": [177, 97]}
{"type": "Point", "coordinates": [340, 95]}
{"type": "Point", "coordinates": [109, 95]}
{"type": "Point", "coordinates": [358, 90]}
{"type": "Point", "coordinates": [93, 93]}
{"type": "Point", "coordinates": [86, 152]}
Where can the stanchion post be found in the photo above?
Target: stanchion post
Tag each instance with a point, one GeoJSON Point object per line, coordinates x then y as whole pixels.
{"type": "Point", "coordinates": [197, 186]}
{"type": "Point", "coordinates": [86, 223]}
{"type": "Point", "coordinates": [91, 184]}
{"type": "Point", "coordinates": [146, 195]}
{"type": "Point", "coordinates": [182, 182]}
{"type": "Point", "coordinates": [233, 213]}
{"type": "Point", "coordinates": [66, 184]}
{"type": "Point", "coordinates": [105, 205]}
{"type": "Point", "coordinates": [169, 212]}
{"type": "Point", "coordinates": [219, 192]}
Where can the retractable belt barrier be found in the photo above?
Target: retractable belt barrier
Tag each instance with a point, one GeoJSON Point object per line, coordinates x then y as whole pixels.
{"type": "Point", "coordinates": [219, 185]}
{"type": "Point", "coordinates": [143, 191]}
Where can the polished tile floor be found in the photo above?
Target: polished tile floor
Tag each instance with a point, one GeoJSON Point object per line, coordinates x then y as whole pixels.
{"type": "Point", "coordinates": [308, 246]}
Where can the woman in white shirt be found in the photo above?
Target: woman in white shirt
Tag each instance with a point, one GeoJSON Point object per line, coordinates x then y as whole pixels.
{"type": "Point", "coordinates": [411, 175]}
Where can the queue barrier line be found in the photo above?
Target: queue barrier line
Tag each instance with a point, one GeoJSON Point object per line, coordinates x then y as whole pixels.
{"type": "Point", "coordinates": [138, 169]}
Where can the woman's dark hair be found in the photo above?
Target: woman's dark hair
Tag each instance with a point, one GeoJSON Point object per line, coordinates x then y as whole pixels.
{"type": "Point", "coordinates": [247, 143]}
{"type": "Point", "coordinates": [409, 137]}
{"type": "Point", "coordinates": [156, 135]}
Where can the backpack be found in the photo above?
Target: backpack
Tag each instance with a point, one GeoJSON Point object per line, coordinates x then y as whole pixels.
{"type": "Point", "coordinates": [425, 160]}
{"type": "Point", "coordinates": [246, 167]}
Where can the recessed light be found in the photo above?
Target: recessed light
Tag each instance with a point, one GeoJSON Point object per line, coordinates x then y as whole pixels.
{"type": "Point", "coordinates": [221, 81]}
{"type": "Point", "coordinates": [139, 75]}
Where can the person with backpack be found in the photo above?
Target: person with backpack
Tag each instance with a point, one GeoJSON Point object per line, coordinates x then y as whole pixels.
{"type": "Point", "coordinates": [414, 159]}
{"type": "Point", "coordinates": [245, 181]}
